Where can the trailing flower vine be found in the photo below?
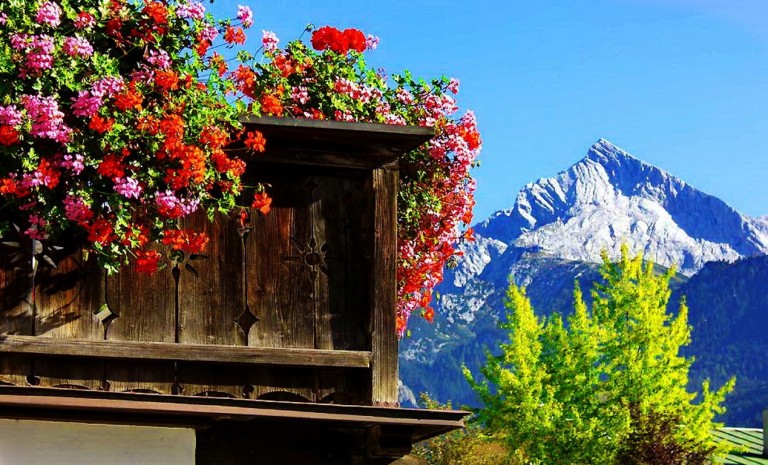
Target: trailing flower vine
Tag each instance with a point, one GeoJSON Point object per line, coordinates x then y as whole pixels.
{"type": "Point", "coordinates": [115, 117]}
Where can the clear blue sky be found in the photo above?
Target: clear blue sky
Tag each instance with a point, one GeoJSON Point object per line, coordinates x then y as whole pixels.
{"type": "Point", "coordinates": [682, 84]}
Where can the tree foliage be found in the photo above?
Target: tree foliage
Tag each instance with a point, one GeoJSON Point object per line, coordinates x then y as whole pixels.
{"type": "Point", "coordinates": [468, 446]}
{"type": "Point", "coordinates": [604, 384]}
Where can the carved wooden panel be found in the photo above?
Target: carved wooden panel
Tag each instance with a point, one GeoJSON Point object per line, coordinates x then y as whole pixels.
{"type": "Point", "coordinates": [307, 259]}
{"type": "Point", "coordinates": [144, 309]}
{"type": "Point", "coordinates": [68, 299]}
{"type": "Point", "coordinates": [16, 312]}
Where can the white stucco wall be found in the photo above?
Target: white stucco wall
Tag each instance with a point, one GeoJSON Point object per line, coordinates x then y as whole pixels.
{"type": "Point", "coordinates": [25, 442]}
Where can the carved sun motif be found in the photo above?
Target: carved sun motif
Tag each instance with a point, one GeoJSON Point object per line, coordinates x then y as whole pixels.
{"type": "Point", "coordinates": [311, 257]}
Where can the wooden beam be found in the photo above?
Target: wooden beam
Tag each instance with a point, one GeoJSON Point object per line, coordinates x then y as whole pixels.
{"type": "Point", "coordinates": [184, 352]}
{"type": "Point", "coordinates": [163, 408]}
{"type": "Point", "coordinates": [331, 143]}
{"type": "Point", "coordinates": [384, 288]}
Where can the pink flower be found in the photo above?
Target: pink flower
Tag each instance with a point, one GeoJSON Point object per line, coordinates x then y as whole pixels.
{"type": "Point", "coordinates": [174, 207]}
{"type": "Point", "coordinates": [75, 209]}
{"type": "Point", "coordinates": [453, 86]}
{"type": "Point", "coordinates": [405, 97]}
{"type": "Point", "coordinates": [343, 116]}
{"type": "Point", "coordinates": [77, 46]}
{"type": "Point", "coordinates": [245, 15]}
{"type": "Point", "coordinates": [47, 119]}
{"type": "Point", "coordinates": [107, 86]}
{"type": "Point", "coordinates": [394, 119]}
{"type": "Point", "coordinates": [10, 116]}
{"type": "Point", "coordinates": [159, 58]}
{"type": "Point", "coordinates": [3, 18]}
{"type": "Point", "coordinates": [38, 56]}
{"type": "Point", "coordinates": [192, 10]}
{"type": "Point", "coordinates": [269, 40]}
{"type": "Point", "coordinates": [86, 104]}
{"type": "Point", "coordinates": [128, 187]}
{"type": "Point", "coordinates": [36, 228]}
{"type": "Point", "coordinates": [73, 163]}
{"type": "Point", "coordinates": [371, 42]}
{"type": "Point", "coordinates": [49, 13]}
{"type": "Point", "coordinates": [209, 33]}
{"type": "Point", "coordinates": [300, 95]}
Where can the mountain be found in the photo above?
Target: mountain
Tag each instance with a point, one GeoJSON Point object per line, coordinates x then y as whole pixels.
{"type": "Point", "coordinates": [610, 197]}
{"type": "Point", "coordinates": [553, 236]}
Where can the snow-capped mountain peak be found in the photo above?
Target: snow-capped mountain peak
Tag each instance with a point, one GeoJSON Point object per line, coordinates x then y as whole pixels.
{"type": "Point", "coordinates": [610, 197]}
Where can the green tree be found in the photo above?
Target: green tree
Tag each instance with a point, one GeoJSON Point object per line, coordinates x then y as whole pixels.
{"type": "Point", "coordinates": [468, 446]}
{"type": "Point", "coordinates": [605, 384]}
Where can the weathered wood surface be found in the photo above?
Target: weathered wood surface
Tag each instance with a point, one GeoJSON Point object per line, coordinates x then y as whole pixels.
{"type": "Point", "coordinates": [384, 288]}
{"type": "Point", "coordinates": [209, 300]}
{"type": "Point", "coordinates": [145, 309]}
{"type": "Point", "coordinates": [16, 312]}
{"type": "Point", "coordinates": [295, 304]}
{"type": "Point", "coordinates": [126, 350]}
{"type": "Point", "coordinates": [67, 301]}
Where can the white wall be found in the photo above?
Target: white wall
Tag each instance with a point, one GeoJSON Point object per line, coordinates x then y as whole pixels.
{"type": "Point", "coordinates": [26, 442]}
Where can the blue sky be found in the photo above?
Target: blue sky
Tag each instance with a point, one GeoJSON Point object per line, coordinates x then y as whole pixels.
{"type": "Point", "coordinates": [682, 84]}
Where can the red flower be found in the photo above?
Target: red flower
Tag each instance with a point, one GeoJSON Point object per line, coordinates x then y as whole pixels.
{"type": "Point", "coordinates": [213, 136]}
{"type": "Point", "coordinates": [327, 37]}
{"type": "Point", "coordinates": [429, 314]}
{"type": "Point", "coordinates": [234, 35]}
{"type": "Point", "coordinates": [136, 235]}
{"type": "Point", "coordinates": [100, 232]}
{"type": "Point", "coordinates": [101, 125]}
{"type": "Point", "coordinates": [255, 141]}
{"type": "Point", "coordinates": [284, 64]}
{"type": "Point", "coordinates": [111, 166]}
{"type": "Point", "coordinates": [167, 79]}
{"type": "Point", "coordinates": [219, 64]}
{"type": "Point", "coordinates": [245, 79]}
{"type": "Point", "coordinates": [193, 243]}
{"type": "Point", "coordinates": [129, 99]}
{"type": "Point", "coordinates": [270, 105]}
{"type": "Point", "coordinates": [157, 11]}
{"type": "Point", "coordinates": [202, 46]}
{"type": "Point", "coordinates": [262, 202]}
{"type": "Point", "coordinates": [355, 40]}
{"type": "Point", "coordinates": [10, 186]}
{"type": "Point", "coordinates": [147, 261]}
{"type": "Point", "coordinates": [8, 136]}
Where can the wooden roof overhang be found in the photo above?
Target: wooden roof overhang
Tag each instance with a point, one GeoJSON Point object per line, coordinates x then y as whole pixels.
{"type": "Point", "coordinates": [332, 143]}
{"type": "Point", "coordinates": [387, 432]}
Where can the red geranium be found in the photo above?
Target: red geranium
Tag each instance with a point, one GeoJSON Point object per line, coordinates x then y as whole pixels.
{"type": "Point", "coordinates": [147, 261]}
{"type": "Point", "coordinates": [234, 35]}
{"type": "Point", "coordinates": [157, 11]}
{"type": "Point", "coordinates": [255, 141]}
{"type": "Point", "coordinates": [328, 37]}
{"type": "Point", "coordinates": [355, 40]}
{"type": "Point", "coordinates": [167, 79]}
{"type": "Point", "coordinates": [262, 202]}
{"type": "Point", "coordinates": [185, 241]}
{"type": "Point", "coordinates": [8, 136]}
{"type": "Point", "coordinates": [101, 125]}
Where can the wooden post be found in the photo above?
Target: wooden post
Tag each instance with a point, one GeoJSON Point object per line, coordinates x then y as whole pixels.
{"type": "Point", "coordinates": [384, 287]}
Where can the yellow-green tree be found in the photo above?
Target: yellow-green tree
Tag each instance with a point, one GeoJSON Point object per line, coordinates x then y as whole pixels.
{"type": "Point", "coordinates": [605, 384]}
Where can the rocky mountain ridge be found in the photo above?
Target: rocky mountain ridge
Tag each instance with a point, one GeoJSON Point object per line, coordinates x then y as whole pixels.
{"type": "Point", "coordinates": [554, 235]}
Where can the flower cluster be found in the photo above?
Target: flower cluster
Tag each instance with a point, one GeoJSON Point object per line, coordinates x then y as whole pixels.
{"type": "Point", "coordinates": [436, 189]}
{"type": "Point", "coordinates": [109, 126]}
{"type": "Point", "coordinates": [114, 116]}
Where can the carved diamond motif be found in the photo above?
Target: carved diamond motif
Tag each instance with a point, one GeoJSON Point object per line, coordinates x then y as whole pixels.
{"type": "Point", "coordinates": [245, 321]}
